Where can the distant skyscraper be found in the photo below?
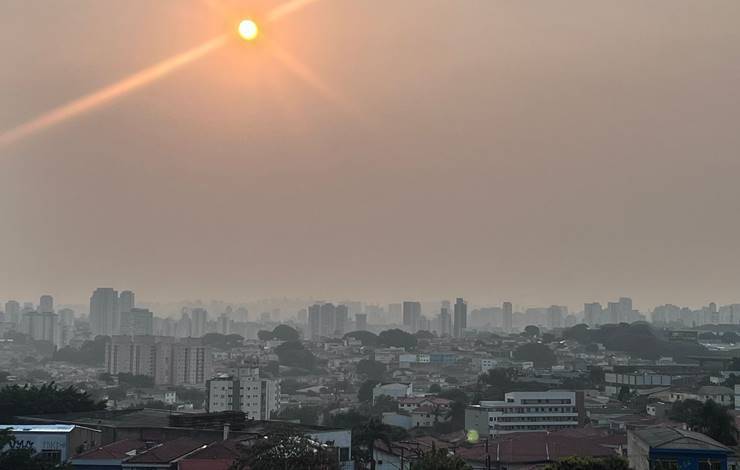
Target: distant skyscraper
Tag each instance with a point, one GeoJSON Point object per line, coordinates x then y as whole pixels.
{"type": "Point", "coordinates": [46, 304]}
{"type": "Point", "coordinates": [223, 324]}
{"type": "Point", "coordinates": [592, 313]}
{"type": "Point", "coordinates": [314, 321]}
{"type": "Point", "coordinates": [361, 322]}
{"type": "Point", "coordinates": [13, 312]}
{"type": "Point", "coordinates": [395, 312]}
{"type": "Point", "coordinates": [341, 317]}
{"type": "Point", "coordinates": [327, 320]}
{"type": "Point", "coordinates": [104, 314]}
{"type": "Point", "coordinates": [461, 318]}
{"type": "Point", "coordinates": [199, 318]}
{"type": "Point", "coordinates": [40, 326]}
{"type": "Point", "coordinates": [137, 322]}
{"type": "Point", "coordinates": [411, 315]}
{"type": "Point", "coordinates": [554, 317]}
{"type": "Point", "coordinates": [126, 301]}
{"type": "Point", "coordinates": [445, 320]}
{"type": "Point", "coordinates": [613, 310]}
{"type": "Point", "coordinates": [508, 317]}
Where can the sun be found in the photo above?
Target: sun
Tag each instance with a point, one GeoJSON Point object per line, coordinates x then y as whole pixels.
{"type": "Point", "coordinates": [248, 29]}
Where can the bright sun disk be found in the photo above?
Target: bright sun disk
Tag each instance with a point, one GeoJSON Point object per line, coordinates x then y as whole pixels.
{"type": "Point", "coordinates": [248, 29]}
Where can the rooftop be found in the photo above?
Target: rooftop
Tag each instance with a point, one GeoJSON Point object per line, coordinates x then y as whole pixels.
{"type": "Point", "coordinates": [663, 437]}
{"type": "Point", "coordinates": [114, 451]}
{"type": "Point", "coordinates": [50, 428]}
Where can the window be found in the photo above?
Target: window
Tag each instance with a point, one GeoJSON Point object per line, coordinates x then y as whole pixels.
{"type": "Point", "coordinates": [664, 464]}
{"type": "Point", "coordinates": [710, 464]}
{"type": "Point", "coordinates": [344, 454]}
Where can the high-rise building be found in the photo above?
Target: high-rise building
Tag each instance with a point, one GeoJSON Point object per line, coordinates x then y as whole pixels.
{"type": "Point", "coordinates": [223, 324]}
{"type": "Point", "coordinates": [592, 313]}
{"type": "Point", "coordinates": [460, 318]}
{"type": "Point", "coordinates": [199, 318]}
{"type": "Point", "coordinates": [105, 317]}
{"type": "Point", "coordinates": [243, 391]}
{"type": "Point", "coordinates": [411, 315]}
{"type": "Point", "coordinates": [13, 312]}
{"type": "Point", "coordinates": [361, 322]}
{"type": "Point", "coordinates": [554, 317]}
{"type": "Point", "coordinates": [613, 312]}
{"type": "Point", "coordinates": [445, 320]}
{"type": "Point", "coordinates": [126, 301]}
{"type": "Point", "coordinates": [314, 321]}
{"type": "Point", "coordinates": [341, 318]}
{"type": "Point", "coordinates": [507, 319]}
{"type": "Point", "coordinates": [168, 360]}
{"type": "Point", "coordinates": [40, 326]}
{"type": "Point", "coordinates": [395, 313]}
{"type": "Point", "coordinates": [328, 314]}
{"type": "Point", "coordinates": [137, 322]}
{"type": "Point", "coordinates": [46, 304]}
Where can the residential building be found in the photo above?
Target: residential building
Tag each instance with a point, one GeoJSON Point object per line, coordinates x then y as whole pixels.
{"type": "Point", "coordinates": [126, 301]}
{"type": "Point", "coordinates": [445, 322]}
{"type": "Point", "coordinates": [199, 317]}
{"type": "Point", "coordinates": [104, 314]}
{"type": "Point", "coordinates": [507, 319]}
{"type": "Point", "coordinates": [393, 389]}
{"type": "Point", "coordinates": [361, 322]}
{"type": "Point", "coordinates": [244, 391]}
{"type": "Point", "coordinates": [137, 322]}
{"type": "Point", "coordinates": [411, 315]}
{"type": "Point", "coordinates": [40, 326]}
{"type": "Point", "coordinates": [46, 304]}
{"type": "Point", "coordinates": [13, 312]}
{"type": "Point", "coordinates": [527, 411]}
{"type": "Point", "coordinates": [168, 360]}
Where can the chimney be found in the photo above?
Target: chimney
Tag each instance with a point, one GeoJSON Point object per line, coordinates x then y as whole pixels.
{"type": "Point", "coordinates": [226, 430]}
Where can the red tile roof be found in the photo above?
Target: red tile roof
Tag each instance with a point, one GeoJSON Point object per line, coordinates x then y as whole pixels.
{"type": "Point", "coordinates": [114, 451]}
{"type": "Point", "coordinates": [168, 451]}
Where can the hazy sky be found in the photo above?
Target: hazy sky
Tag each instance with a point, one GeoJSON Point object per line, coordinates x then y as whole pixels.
{"type": "Point", "coordinates": [539, 152]}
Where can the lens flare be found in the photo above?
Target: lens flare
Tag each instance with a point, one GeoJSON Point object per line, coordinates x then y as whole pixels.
{"type": "Point", "coordinates": [248, 30]}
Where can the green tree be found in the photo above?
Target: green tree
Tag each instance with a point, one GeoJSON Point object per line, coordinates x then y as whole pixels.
{"type": "Point", "coordinates": [440, 459]}
{"type": "Point", "coordinates": [367, 435]}
{"type": "Point", "coordinates": [265, 335]}
{"type": "Point", "coordinates": [435, 388]}
{"type": "Point", "coordinates": [285, 333]}
{"type": "Point", "coordinates": [707, 418]}
{"type": "Point", "coordinates": [397, 338]}
{"type": "Point", "coordinates": [383, 404]}
{"type": "Point", "coordinates": [287, 451]}
{"type": "Point", "coordinates": [589, 463]}
{"type": "Point", "coordinates": [371, 369]}
{"type": "Point", "coordinates": [540, 354]}
{"type": "Point", "coordinates": [294, 354]}
{"type": "Point", "coordinates": [45, 399]}
{"type": "Point", "coordinates": [625, 394]}
{"type": "Point", "coordinates": [365, 393]}
{"type": "Point", "coordinates": [531, 331]}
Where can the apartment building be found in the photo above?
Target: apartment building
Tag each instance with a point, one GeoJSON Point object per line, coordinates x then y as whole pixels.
{"type": "Point", "coordinates": [243, 391]}
{"type": "Point", "coordinates": [527, 411]}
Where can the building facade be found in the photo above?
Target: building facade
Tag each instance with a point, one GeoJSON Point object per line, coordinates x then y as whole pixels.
{"type": "Point", "coordinates": [527, 411]}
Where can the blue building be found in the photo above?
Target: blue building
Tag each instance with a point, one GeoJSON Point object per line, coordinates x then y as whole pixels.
{"type": "Point", "coordinates": [665, 448]}
{"type": "Point", "coordinates": [443, 358]}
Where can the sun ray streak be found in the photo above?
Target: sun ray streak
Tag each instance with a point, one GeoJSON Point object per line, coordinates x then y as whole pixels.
{"type": "Point", "coordinates": [302, 71]}
{"type": "Point", "coordinates": [288, 8]}
{"type": "Point", "coordinates": [111, 92]}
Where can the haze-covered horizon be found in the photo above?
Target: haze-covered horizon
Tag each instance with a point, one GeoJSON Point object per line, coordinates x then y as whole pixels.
{"type": "Point", "coordinates": [491, 150]}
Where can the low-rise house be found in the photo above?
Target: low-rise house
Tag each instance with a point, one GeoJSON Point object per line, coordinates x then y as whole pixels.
{"type": "Point", "coordinates": [394, 390]}
{"type": "Point", "coordinates": [722, 395]}
{"type": "Point", "coordinates": [672, 448]}
{"type": "Point", "coordinates": [54, 443]}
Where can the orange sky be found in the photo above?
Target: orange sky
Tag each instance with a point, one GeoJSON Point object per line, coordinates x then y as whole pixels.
{"type": "Point", "coordinates": [498, 150]}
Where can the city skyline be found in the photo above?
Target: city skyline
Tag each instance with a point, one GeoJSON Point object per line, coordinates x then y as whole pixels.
{"type": "Point", "coordinates": [593, 159]}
